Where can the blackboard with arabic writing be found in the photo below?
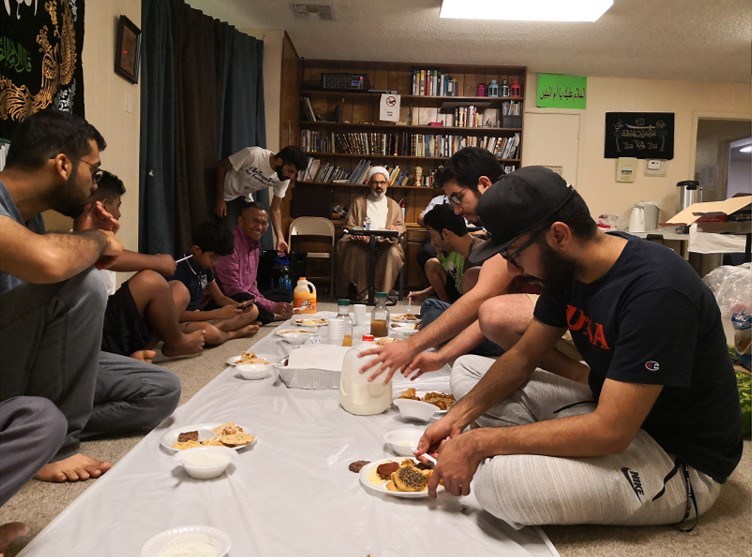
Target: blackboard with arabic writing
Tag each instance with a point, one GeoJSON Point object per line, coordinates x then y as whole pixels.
{"type": "Point", "coordinates": [645, 135]}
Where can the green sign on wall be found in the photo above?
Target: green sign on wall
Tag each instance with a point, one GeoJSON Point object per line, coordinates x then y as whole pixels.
{"type": "Point", "coordinates": [561, 91]}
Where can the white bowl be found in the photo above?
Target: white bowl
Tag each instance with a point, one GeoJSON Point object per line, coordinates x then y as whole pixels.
{"type": "Point", "coordinates": [254, 371]}
{"type": "Point", "coordinates": [415, 409]}
{"type": "Point", "coordinates": [204, 463]}
{"type": "Point", "coordinates": [403, 441]}
{"type": "Point", "coordinates": [214, 542]}
{"type": "Point", "coordinates": [296, 338]}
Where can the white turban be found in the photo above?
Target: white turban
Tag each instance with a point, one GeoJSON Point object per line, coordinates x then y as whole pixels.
{"type": "Point", "coordinates": [378, 170]}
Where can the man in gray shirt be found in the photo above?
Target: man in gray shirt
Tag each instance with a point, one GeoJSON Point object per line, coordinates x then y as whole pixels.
{"type": "Point", "coordinates": [51, 310]}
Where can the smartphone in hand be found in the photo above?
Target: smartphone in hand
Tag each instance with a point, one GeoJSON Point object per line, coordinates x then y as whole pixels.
{"type": "Point", "coordinates": [246, 303]}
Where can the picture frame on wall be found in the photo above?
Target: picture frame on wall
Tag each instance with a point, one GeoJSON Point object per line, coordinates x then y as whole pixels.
{"type": "Point", "coordinates": [127, 49]}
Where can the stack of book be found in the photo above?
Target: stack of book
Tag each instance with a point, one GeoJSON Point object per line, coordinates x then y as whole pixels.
{"type": "Point", "coordinates": [433, 83]}
{"type": "Point", "coordinates": [318, 172]}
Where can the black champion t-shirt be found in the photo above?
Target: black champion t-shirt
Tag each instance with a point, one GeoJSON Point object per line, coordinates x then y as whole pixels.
{"type": "Point", "coordinates": [651, 320]}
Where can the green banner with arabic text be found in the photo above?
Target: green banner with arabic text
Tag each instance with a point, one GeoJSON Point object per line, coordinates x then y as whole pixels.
{"type": "Point", "coordinates": [561, 91]}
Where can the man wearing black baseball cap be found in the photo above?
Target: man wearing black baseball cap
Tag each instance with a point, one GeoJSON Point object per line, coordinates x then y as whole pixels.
{"type": "Point", "coordinates": [657, 430]}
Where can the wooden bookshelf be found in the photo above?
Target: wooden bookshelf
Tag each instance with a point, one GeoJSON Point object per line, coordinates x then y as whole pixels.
{"type": "Point", "coordinates": [341, 128]}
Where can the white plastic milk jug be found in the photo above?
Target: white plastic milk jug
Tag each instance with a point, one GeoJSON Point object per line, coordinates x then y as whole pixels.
{"type": "Point", "coordinates": [356, 394]}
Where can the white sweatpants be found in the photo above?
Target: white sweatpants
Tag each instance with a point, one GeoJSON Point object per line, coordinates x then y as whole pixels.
{"type": "Point", "coordinates": [626, 489]}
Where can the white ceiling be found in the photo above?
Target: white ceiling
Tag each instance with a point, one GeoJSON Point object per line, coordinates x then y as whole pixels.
{"type": "Point", "coordinates": [699, 40]}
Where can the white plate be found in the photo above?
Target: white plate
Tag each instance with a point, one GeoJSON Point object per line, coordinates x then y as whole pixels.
{"type": "Point", "coordinates": [271, 358]}
{"type": "Point", "coordinates": [170, 540]}
{"type": "Point", "coordinates": [371, 480]}
{"type": "Point", "coordinates": [405, 318]}
{"type": "Point", "coordinates": [204, 432]}
{"type": "Point", "coordinates": [310, 321]}
{"type": "Point", "coordinates": [421, 394]}
{"type": "Point", "coordinates": [285, 332]}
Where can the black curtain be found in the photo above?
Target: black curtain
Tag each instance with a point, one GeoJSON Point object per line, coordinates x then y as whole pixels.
{"type": "Point", "coordinates": [157, 170]}
{"type": "Point", "coordinates": [215, 103]}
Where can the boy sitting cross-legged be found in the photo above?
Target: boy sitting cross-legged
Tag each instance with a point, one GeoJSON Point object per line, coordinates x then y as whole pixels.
{"type": "Point", "coordinates": [141, 312]}
{"type": "Point", "coordinates": [194, 289]}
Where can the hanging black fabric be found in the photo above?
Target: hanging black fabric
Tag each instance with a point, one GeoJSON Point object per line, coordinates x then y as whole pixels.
{"type": "Point", "coordinates": [157, 170]}
{"type": "Point", "coordinates": [41, 59]}
{"type": "Point", "coordinates": [209, 105]}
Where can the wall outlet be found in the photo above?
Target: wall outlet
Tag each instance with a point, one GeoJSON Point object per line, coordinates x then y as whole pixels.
{"type": "Point", "coordinates": [655, 167]}
{"type": "Point", "coordinates": [626, 168]}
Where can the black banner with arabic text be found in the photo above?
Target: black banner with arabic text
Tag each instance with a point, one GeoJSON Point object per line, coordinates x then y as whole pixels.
{"type": "Point", "coordinates": [645, 135]}
{"type": "Point", "coordinates": [40, 58]}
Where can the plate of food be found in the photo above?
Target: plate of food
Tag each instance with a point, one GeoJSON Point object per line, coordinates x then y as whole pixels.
{"type": "Point", "coordinates": [310, 321]}
{"type": "Point", "coordinates": [404, 329]}
{"type": "Point", "coordinates": [249, 357]}
{"type": "Point", "coordinates": [405, 318]}
{"type": "Point", "coordinates": [187, 540]}
{"type": "Point", "coordinates": [406, 478]}
{"type": "Point", "coordinates": [442, 401]}
{"type": "Point", "coordinates": [381, 341]}
{"type": "Point", "coordinates": [215, 434]}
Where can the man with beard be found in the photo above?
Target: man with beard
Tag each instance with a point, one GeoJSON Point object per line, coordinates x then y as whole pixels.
{"type": "Point", "coordinates": [252, 169]}
{"type": "Point", "coordinates": [656, 432]}
{"type": "Point", "coordinates": [237, 273]}
{"type": "Point", "coordinates": [52, 302]}
{"type": "Point", "coordinates": [381, 213]}
{"type": "Point", "coordinates": [468, 175]}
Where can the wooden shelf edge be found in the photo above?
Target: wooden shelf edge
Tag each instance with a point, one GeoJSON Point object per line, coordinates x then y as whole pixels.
{"type": "Point", "coordinates": [348, 185]}
{"type": "Point", "coordinates": [395, 128]}
{"type": "Point", "coordinates": [391, 157]}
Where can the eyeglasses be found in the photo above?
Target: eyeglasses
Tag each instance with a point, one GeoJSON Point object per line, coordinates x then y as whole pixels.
{"type": "Point", "coordinates": [456, 197]}
{"type": "Point", "coordinates": [511, 257]}
{"type": "Point", "coordinates": [96, 174]}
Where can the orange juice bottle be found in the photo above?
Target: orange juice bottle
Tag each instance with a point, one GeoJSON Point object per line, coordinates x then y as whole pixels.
{"type": "Point", "coordinates": [304, 297]}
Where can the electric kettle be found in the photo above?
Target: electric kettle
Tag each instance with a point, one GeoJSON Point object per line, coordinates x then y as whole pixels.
{"type": "Point", "coordinates": [644, 217]}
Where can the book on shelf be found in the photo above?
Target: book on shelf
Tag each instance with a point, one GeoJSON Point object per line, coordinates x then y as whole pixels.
{"type": "Point", "coordinates": [427, 82]}
{"type": "Point", "coordinates": [308, 111]}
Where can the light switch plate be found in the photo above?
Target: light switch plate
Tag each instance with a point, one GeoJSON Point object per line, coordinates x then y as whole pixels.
{"type": "Point", "coordinates": [655, 167]}
{"type": "Point", "coordinates": [626, 168]}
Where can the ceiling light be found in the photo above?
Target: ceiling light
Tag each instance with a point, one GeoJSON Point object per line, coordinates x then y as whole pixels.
{"type": "Point", "coordinates": [525, 10]}
{"type": "Point", "coordinates": [746, 149]}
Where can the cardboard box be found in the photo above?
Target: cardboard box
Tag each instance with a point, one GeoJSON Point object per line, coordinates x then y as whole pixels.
{"type": "Point", "coordinates": [732, 208]}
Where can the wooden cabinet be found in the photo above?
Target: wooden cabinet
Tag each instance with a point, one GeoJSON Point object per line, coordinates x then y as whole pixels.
{"type": "Point", "coordinates": [342, 133]}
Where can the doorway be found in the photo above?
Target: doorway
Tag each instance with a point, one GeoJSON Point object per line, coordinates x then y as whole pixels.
{"type": "Point", "coordinates": [719, 162]}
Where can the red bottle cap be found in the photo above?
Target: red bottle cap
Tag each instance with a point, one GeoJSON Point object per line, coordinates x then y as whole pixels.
{"type": "Point", "coordinates": [368, 338]}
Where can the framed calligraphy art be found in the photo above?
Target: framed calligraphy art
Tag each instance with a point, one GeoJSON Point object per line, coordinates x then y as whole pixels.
{"type": "Point", "coordinates": [127, 49]}
{"type": "Point", "coordinates": [644, 135]}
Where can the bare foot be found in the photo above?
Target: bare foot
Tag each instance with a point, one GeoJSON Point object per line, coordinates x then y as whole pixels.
{"type": "Point", "coordinates": [73, 469]}
{"type": "Point", "coordinates": [144, 355]}
{"type": "Point", "coordinates": [9, 532]}
{"type": "Point", "coordinates": [190, 343]}
{"type": "Point", "coordinates": [248, 331]}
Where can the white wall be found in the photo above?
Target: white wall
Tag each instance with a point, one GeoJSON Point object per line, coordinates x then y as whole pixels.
{"type": "Point", "coordinates": [113, 106]}
{"type": "Point", "coordinates": [688, 100]}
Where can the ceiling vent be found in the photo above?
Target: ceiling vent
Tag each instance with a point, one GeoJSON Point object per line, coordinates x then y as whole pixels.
{"type": "Point", "coordinates": [305, 11]}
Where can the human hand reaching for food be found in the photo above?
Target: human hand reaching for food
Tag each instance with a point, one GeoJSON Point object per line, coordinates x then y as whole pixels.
{"type": "Point", "coordinates": [457, 462]}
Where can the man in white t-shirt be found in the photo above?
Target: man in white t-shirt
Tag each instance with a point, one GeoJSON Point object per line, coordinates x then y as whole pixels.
{"type": "Point", "coordinates": [252, 169]}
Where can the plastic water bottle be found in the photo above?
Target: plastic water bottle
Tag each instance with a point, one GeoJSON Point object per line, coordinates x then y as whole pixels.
{"type": "Point", "coordinates": [340, 328]}
{"type": "Point", "coordinates": [380, 317]}
{"type": "Point", "coordinates": [356, 394]}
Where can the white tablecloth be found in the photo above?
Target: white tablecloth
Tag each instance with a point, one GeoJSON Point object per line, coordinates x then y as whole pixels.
{"type": "Point", "coordinates": [290, 494]}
